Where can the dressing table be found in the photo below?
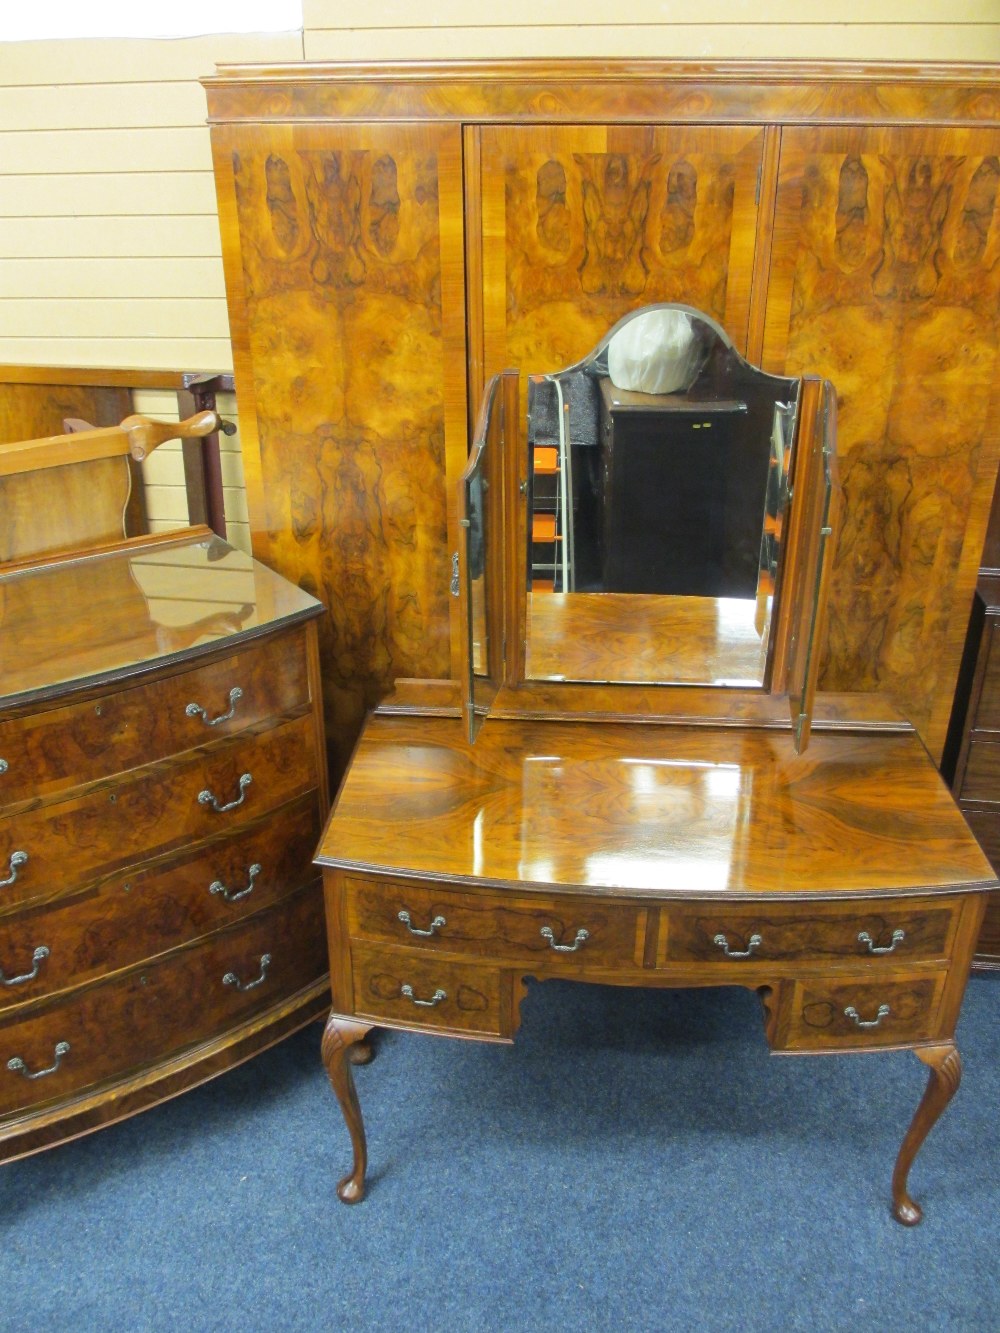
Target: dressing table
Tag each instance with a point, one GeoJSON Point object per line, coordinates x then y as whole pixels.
{"type": "Point", "coordinates": [642, 788]}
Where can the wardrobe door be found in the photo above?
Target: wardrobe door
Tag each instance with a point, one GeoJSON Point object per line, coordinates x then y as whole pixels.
{"type": "Point", "coordinates": [885, 279]}
{"type": "Point", "coordinates": [343, 247]}
{"type": "Point", "coordinates": [581, 224]}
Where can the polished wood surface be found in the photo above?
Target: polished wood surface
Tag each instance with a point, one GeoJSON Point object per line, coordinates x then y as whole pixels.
{"type": "Point", "coordinates": [883, 279]}
{"type": "Point", "coordinates": [793, 262]}
{"type": "Point", "coordinates": [143, 601]}
{"type": "Point", "coordinates": [679, 811]}
{"type": "Point", "coordinates": [644, 91]}
{"type": "Point", "coordinates": [641, 637]}
{"type": "Point", "coordinates": [162, 784]}
{"type": "Point", "coordinates": [841, 885]}
{"type": "Point", "coordinates": [345, 279]}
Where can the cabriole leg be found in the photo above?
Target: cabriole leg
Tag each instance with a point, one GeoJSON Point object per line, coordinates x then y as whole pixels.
{"type": "Point", "coordinates": [339, 1036]}
{"type": "Point", "coordinates": [946, 1073]}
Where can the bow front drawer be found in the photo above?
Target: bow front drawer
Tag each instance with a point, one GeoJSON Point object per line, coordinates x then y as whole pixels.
{"type": "Point", "coordinates": [481, 924]}
{"type": "Point", "coordinates": [58, 748]}
{"type": "Point", "coordinates": [407, 988]}
{"type": "Point", "coordinates": [817, 936]}
{"type": "Point", "coordinates": [858, 1012]}
{"type": "Point", "coordinates": [69, 843]}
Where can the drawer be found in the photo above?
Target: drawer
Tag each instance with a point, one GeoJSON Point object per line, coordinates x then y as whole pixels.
{"type": "Point", "coordinates": [496, 926]}
{"type": "Point", "coordinates": [985, 824]}
{"type": "Point", "coordinates": [411, 989]}
{"type": "Point", "coordinates": [733, 936]}
{"type": "Point", "coordinates": [70, 843]}
{"type": "Point", "coordinates": [81, 742]}
{"type": "Point", "coordinates": [859, 1012]}
{"type": "Point", "coordinates": [135, 1020]}
{"type": "Point", "coordinates": [981, 781]}
{"type": "Point", "coordinates": [132, 916]}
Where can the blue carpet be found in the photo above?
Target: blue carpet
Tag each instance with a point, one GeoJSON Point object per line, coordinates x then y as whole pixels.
{"type": "Point", "coordinates": [635, 1161]}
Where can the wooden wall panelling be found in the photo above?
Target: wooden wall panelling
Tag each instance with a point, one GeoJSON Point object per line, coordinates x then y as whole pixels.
{"type": "Point", "coordinates": [585, 223]}
{"type": "Point", "coordinates": [345, 275]}
{"type": "Point", "coordinates": [885, 279]}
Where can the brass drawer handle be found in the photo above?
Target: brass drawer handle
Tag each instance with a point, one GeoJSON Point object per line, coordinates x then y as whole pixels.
{"type": "Point", "coordinates": [207, 798]}
{"type": "Point", "coordinates": [231, 979]}
{"type": "Point", "coordinates": [17, 1066]}
{"type": "Point", "coordinates": [436, 924]}
{"type": "Point", "coordinates": [754, 942]}
{"type": "Point", "coordinates": [37, 958]}
{"type": "Point", "coordinates": [17, 860]}
{"type": "Point", "coordinates": [196, 710]}
{"type": "Point", "coordinates": [852, 1013]}
{"type": "Point", "coordinates": [581, 938]}
{"type": "Point", "coordinates": [4, 766]}
{"type": "Point", "coordinates": [898, 936]}
{"type": "Point", "coordinates": [436, 998]}
{"type": "Point", "coordinates": [230, 896]}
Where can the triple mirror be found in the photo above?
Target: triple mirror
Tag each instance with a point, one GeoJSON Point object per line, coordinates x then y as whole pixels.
{"type": "Point", "coordinates": [634, 526]}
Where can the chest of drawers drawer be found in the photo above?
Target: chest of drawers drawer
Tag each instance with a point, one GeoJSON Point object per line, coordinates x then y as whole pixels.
{"type": "Point", "coordinates": [138, 914]}
{"type": "Point", "coordinates": [123, 1024]}
{"type": "Point", "coordinates": [56, 748]}
{"type": "Point", "coordinates": [52, 848]}
{"type": "Point", "coordinates": [500, 927]}
{"type": "Point", "coordinates": [858, 1012]}
{"type": "Point", "coordinates": [836, 932]}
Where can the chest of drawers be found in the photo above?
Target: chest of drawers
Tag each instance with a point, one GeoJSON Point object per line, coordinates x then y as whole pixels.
{"type": "Point", "coordinates": [162, 786]}
{"type": "Point", "coordinates": [841, 885]}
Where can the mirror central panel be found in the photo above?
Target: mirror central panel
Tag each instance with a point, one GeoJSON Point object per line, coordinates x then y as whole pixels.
{"type": "Point", "coordinates": [656, 484]}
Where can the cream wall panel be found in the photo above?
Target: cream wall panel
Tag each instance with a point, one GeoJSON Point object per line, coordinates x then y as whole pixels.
{"type": "Point", "coordinates": [120, 318]}
{"type": "Point", "coordinates": [95, 237]}
{"type": "Point", "coordinates": [138, 60]}
{"type": "Point", "coordinates": [694, 41]}
{"type": "Point", "coordinates": [168, 504]}
{"type": "Point", "coordinates": [106, 277]}
{"type": "Point", "coordinates": [101, 105]}
{"type": "Point", "coordinates": [188, 353]}
{"type": "Point", "coordinates": [31, 152]}
{"type": "Point", "coordinates": [148, 193]}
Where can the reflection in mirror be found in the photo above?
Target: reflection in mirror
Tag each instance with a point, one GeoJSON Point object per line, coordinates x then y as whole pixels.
{"type": "Point", "coordinates": [657, 484]}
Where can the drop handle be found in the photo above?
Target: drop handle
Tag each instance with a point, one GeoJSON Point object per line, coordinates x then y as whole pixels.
{"type": "Point", "coordinates": [852, 1013]}
{"type": "Point", "coordinates": [234, 895]}
{"type": "Point", "coordinates": [407, 921]}
{"type": "Point", "coordinates": [37, 959]}
{"type": "Point", "coordinates": [14, 864]}
{"type": "Point", "coordinates": [754, 942]}
{"type": "Point", "coordinates": [898, 936]}
{"type": "Point", "coordinates": [436, 998]}
{"type": "Point", "coordinates": [208, 798]}
{"type": "Point", "coordinates": [231, 979]}
{"type": "Point", "coordinates": [17, 1066]}
{"type": "Point", "coordinates": [196, 710]}
{"type": "Point", "coordinates": [581, 937]}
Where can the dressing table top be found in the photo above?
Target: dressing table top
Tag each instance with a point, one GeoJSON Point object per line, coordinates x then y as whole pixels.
{"type": "Point", "coordinates": [665, 812]}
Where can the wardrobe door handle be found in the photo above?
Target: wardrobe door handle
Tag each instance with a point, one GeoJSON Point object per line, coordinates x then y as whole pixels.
{"type": "Point", "coordinates": [37, 958]}
{"type": "Point", "coordinates": [754, 942]}
{"type": "Point", "coordinates": [582, 936]}
{"type": "Point", "coordinates": [234, 896]}
{"type": "Point", "coordinates": [196, 710]}
{"type": "Point", "coordinates": [17, 860]}
{"type": "Point", "coordinates": [207, 797]}
{"type": "Point", "coordinates": [17, 1066]}
{"type": "Point", "coordinates": [231, 979]}
{"type": "Point", "coordinates": [852, 1013]}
